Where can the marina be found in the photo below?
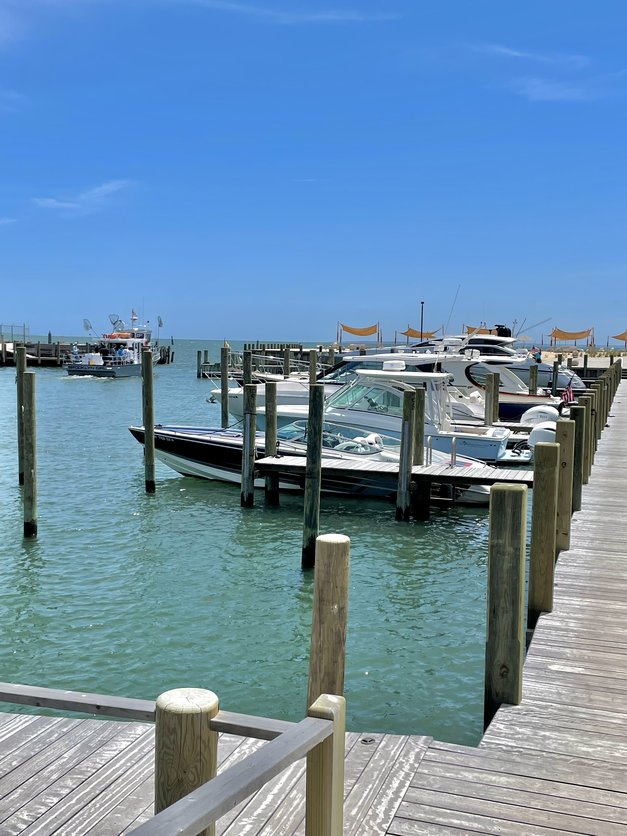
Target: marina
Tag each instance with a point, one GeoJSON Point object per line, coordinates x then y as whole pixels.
{"type": "Point", "coordinates": [552, 763]}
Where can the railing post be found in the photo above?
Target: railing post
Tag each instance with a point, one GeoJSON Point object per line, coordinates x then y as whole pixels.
{"type": "Point", "coordinates": [270, 432]}
{"type": "Point", "coordinates": [406, 458]}
{"type": "Point", "coordinates": [543, 530]}
{"type": "Point", "coordinates": [330, 613]}
{"type": "Point", "coordinates": [19, 356]}
{"type": "Point", "coordinates": [586, 402]}
{"type": "Point", "coordinates": [30, 456]}
{"type": "Point", "coordinates": [565, 437]}
{"type": "Point", "coordinates": [324, 792]}
{"type": "Point", "coordinates": [148, 409]}
{"type": "Point", "coordinates": [186, 750]}
{"type": "Point", "coordinates": [247, 496]}
{"type": "Point", "coordinates": [506, 593]}
{"type": "Point", "coordinates": [224, 386]}
{"type": "Point", "coordinates": [578, 415]}
{"type": "Point", "coordinates": [313, 474]}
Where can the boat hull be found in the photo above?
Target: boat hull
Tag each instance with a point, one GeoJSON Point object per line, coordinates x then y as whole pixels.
{"type": "Point", "coordinates": [84, 370]}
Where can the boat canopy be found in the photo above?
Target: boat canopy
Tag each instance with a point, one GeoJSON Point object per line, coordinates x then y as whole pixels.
{"type": "Point", "coordinates": [559, 334]}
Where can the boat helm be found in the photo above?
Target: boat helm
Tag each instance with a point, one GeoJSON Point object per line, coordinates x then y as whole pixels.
{"type": "Point", "coordinates": [544, 431]}
{"type": "Point", "coordinates": [538, 414]}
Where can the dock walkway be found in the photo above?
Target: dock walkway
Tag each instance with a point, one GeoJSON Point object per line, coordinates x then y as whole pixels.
{"type": "Point", "coordinates": [555, 764]}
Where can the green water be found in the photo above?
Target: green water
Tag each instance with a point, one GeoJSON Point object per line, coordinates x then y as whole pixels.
{"type": "Point", "coordinates": [130, 594]}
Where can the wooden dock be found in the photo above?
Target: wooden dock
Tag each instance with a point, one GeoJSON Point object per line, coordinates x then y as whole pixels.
{"type": "Point", "coordinates": [555, 764]}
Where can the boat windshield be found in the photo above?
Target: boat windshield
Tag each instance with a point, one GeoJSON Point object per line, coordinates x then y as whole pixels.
{"type": "Point", "coordinates": [337, 436]}
{"type": "Point", "coordinates": [509, 382]}
{"type": "Point", "coordinates": [367, 398]}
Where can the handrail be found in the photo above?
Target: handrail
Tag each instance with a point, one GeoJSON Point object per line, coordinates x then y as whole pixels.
{"type": "Point", "coordinates": [203, 806]}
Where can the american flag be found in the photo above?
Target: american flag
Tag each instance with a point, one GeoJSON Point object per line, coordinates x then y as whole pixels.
{"type": "Point", "coordinates": [568, 396]}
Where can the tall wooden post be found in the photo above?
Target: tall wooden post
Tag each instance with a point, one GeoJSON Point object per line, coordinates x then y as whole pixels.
{"type": "Point", "coordinates": [556, 366]}
{"type": "Point", "coordinates": [270, 443]}
{"type": "Point", "coordinates": [506, 593]}
{"type": "Point", "coordinates": [199, 363]}
{"type": "Point", "coordinates": [19, 353]}
{"type": "Point", "coordinates": [313, 474]}
{"type": "Point", "coordinates": [496, 377]}
{"type": "Point", "coordinates": [585, 365]}
{"type": "Point", "coordinates": [247, 367]}
{"type": "Point", "coordinates": [30, 456]}
{"type": "Point", "coordinates": [313, 365]}
{"type": "Point", "coordinates": [406, 457]}
{"type": "Point", "coordinates": [578, 415]}
{"type": "Point", "coordinates": [565, 437]}
{"type": "Point", "coordinates": [533, 379]}
{"type": "Point", "coordinates": [543, 530]}
{"type": "Point", "coordinates": [489, 401]}
{"type": "Point", "coordinates": [286, 361]}
{"type": "Point", "coordinates": [331, 356]}
{"type": "Point", "coordinates": [248, 449]}
{"type": "Point", "coordinates": [330, 614]}
{"type": "Point", "coordinates": [224, 386]}
{"type": "Point", "coordinates": [586, 402]}
{"type": "Point", "coordinates": [419, 427]}
{"type": "Point", "coordinates": [186, 749]}
{"type": "Point", "coordinates": [148, 420]}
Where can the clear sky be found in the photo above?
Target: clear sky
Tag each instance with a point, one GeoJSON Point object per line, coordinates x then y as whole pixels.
{"type": "Point", "coordinates": [260, 169]}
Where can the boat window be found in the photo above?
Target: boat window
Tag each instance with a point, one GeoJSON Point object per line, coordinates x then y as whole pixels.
{"type": "Point", "coordinates": [347, 371]}
{"type": "Point", "coordinates": [367, 398]}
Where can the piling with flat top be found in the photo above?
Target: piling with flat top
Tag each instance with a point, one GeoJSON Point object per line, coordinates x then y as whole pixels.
{"type": "Point", "coordinates": [586, 402]}
{"type": "Point", "coordinates": [286, 361]}
{"type": "Point", "coordinates": [20, 371]}
{"type": "Point", "coordinates": [247, 367]}
{"type": "Point", "coordinates": [406, 456]}
{"type": "Point", "coordinates": [149, 420]}
{"type": "Point", "coordinates": [543, 530]}
{"type": "Point", "coordinates": [331, 357]}
{"type": "Point", "coordinates": [30, 456]}
{"type": "Point", "coordinates": [313, 475]}
{"type": "Point", "coordinates": [506, 598]}
{"type": "Point", "coordinates": [556, 366]}
{"type": "Point", "coordinates": [186, 749]}
{"type": "Point", "coordinates": [578, 415]}
{"type": "Point", "coordinates": [270, 445]}
{"type": "Point", "coordinates": [198, 363]}
{"type": "Point", "coordinates": [419, 427]}
{"type": "Point", "coordinates": [224, 386]}
{"type": "Point", "coordinates": [569, 362]}
{"type": "Point", "coordinates": [488, 405]}
{"type": "Point", "coordinates": [594, 422]}
{"type": "Point", "coordinates": [313, 365]}
{"type": "Point", "coordinates": [585, 365]}
{"type": "Point", "coordinates": [495, 401]}
{"type": "Point", "coordinates": [330, 613]}
{"type": "Point", "coordinates": [565, 437]}
{"type": "Point", "coordinates": [533, 379]}
{"type": "Point", "coordinates": [248, 449]}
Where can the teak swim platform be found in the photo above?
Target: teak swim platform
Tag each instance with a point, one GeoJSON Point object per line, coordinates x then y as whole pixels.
{"type": "Point", "coordinates": [555, 763]}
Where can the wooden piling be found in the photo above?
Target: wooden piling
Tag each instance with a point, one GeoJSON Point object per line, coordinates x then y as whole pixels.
{"type": "Point", "coordinates": [313, 474]}
{"type": "Point", "coordinates": [247, 367]}
{"type": "Point", "coordinates": [565, 437]}
{"type": "Point", "coordinates": [506, 587]}
{"type": "Point", "coordinates": [556, 366]}
{"type": "Point", "coordinates": [224, 386]}
{"type": "Point", "coordinates": [19, 354]}
{"type": "Point", "coordinates": [198, 363]}
{"type": "Point", "coordinates": [248, 449]}
{"type": "Point", "coordinates": [586, 402]}
{"type": "Point", "coordinates": [286, 361]}
{"type": "Point", "coordinates": [270, 446]}
{"type": "Point", "coordinates": [585, 365]}
{"type": "Point", "coordinates": [331, 358]}
{"type": "Point", "coordinates": [578, 415]}
{"type": "Point", "coordinates": [186, 749]}
{"type": "Point", "coordinates": [492, 384]}
{"type": "Point", "coordinates": [30, 456]}
{"type": "Point", "coordinates": [313, 365]}
{"type": "Point", "coordinates": [419, 427]}
{"type": "Point", "coordinates": [149, 420]}
{"type": "Point", "coordinates": [330, 613]}
{"type": "Point", "coordinates": [543, 530]}
{"type": "Point", "coordinates": [533, 379]}
{"type": "Point", "coordinates": [495, 401]}
{"type": "Point", "coordinates": [406, 456]}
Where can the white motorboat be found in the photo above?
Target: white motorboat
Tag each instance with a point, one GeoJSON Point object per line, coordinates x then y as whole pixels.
{"type": "Point", "coordinates": [374, 403]}
{"type": "Point", "coordinates": [216, 454]}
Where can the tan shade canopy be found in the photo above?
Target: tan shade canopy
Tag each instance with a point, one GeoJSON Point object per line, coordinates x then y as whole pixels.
{"type": "Point", "coordinates": [424, 335]}
{"type": "Point", "coordinates": [360, 332]}
{"type": "Point", "coordinates": [558, 334]}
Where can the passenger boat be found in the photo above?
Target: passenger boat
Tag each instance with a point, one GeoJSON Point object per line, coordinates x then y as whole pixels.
{"type": "Point", "coordinates": [211, 453]}
{"type": "Point", "coordinates": [115, 354]}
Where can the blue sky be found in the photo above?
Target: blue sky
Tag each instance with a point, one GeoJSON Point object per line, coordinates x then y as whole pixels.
{"type": "Point", "coordinates": [261, 170]}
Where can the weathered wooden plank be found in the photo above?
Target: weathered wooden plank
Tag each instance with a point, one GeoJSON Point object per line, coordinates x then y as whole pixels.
{"type": "Point", "coordinates": [129, 709]}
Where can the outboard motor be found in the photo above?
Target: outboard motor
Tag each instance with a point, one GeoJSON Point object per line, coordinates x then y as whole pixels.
{"type": "Point", "coordinates": [538, 414]}
{"type": "Point", "coordinates": [544, 431]}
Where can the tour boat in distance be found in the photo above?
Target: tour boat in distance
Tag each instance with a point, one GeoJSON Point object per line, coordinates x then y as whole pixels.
{"type": "Point", "coordinates": [112, 355]}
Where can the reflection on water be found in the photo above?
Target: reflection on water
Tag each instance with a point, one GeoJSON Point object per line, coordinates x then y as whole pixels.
{"type": "Point", "coordinates": [133, 594]}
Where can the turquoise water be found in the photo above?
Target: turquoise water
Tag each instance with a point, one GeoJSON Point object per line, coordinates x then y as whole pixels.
{"type": "Point", "coordinates": [130, 594]}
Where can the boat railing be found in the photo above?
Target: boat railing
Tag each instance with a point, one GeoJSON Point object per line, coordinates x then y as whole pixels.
{"type": "Point", "coordinates": [262, 364]}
